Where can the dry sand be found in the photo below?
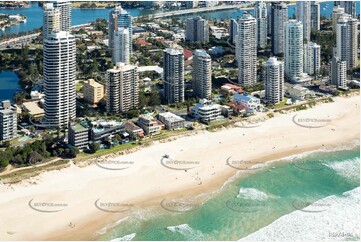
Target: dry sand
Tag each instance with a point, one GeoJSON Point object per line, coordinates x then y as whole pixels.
{"type": "Point", "coordinates": [146, 182]}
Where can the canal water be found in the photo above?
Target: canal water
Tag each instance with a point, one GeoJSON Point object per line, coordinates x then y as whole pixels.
{"type": "Point", "coordinates": [8, 85]}
{"type": "Point", "coordinates": [81, 16]}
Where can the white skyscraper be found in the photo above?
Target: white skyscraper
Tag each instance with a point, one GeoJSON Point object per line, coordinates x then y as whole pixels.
{"type": "Point", "coordinates": [119, 18]}
{"type": "Point", "coordinates": [51, 19]}
{"type": "Point", "coordinates": [279, 15]}
{"type": "Point", "coordinates": [312, 58]}
{"type": "Point", "coordinates": [349, 6]}
{"type": "Point", "coordinates": [122, 88]}
{"type": "Point", "coordinates": [8, 121]}
{"type": "Point", "coordinates": [338, 70]}
{"type": "Point", "coordinates": [246, 50]}
{"type": "Point", "coordinates": [346, 40]}
{"type": "Point", "coordinates": [65, 14]}
{"type": "Point", "coordinates": [303, 14]}
{"type": "Point", "coordinates": [293, 54]}
{"type": "Point", "coordinates": [59, 78]}
{"type": "Point", "coordinates": [197, 29]}
{"type": "Point", "coordinates": [260, 13]}
{"type": "Point", "coordinates": [274, 80]}
{"type": "Point", "coordinates": [202, 74]}
{"type": "Point", "coordinates": [121, 51]}
{"type": "Point", "coordinates": [337, 12]}
{"type": "Point", "coordinates": [315, 16]}
{"type": "Point", "coordinates": [173, 66]}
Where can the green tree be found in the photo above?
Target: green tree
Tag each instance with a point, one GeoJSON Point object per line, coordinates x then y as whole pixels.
{"type": "Point", "coordinates": [94, 147]}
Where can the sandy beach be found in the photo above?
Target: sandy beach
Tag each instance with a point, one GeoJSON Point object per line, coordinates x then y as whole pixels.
{"type": "Point", "coordinates": [71, 204]}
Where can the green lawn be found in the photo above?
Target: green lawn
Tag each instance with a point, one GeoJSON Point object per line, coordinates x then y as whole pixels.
{"type": "Point", "coordinates": [117, 148]}
{"type": "Point", "coordinates": [281, 104]}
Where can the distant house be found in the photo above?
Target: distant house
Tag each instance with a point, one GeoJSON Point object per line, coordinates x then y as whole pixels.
{"type": "Point", "coordinates": [134, 129]}
{"type": "Point", "coordinates": [299, 92]}
{"type": "Point", "coordinates": [237, 107]}
{"type": "Point", "coordinates": [149, 124]}
{"type": "Point", "coordinates": [171, 121]}
{"type": "Point", "coordinates": [142, 42]}
{"type": "Point", "coordinates": [251, 103]}
{"type": "Point", "coordinates": [33, 108]}
{"type": "Point", "coordinates": [102, 129]}
{"type": "Point", "coordinates": [231, 89]}
{"type": "Point", "coordinates": [206, 111]}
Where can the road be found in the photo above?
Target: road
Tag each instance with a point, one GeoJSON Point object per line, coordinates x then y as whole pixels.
{"type": "Point", "coordinates": [196, 10]}
{"type": "Point", "coordinates": [28, 38]}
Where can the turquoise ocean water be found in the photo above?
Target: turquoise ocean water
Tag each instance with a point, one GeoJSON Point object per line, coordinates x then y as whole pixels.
{"type": "Point", "coordinates": [249, 202]}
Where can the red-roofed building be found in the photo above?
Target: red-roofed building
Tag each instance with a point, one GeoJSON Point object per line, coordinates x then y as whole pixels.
{"type": "Point", "coordinates": [238, 107]}
{"type": "Point", "coordinates": [142, 42]}
{"type": "Point", "coordinates": [188, 54]}
{"type": "Point", "coordinates": [231, 88]}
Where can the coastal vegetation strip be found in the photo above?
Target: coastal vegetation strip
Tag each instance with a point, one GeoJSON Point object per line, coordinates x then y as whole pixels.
{"type": "Point", "coordinates": [22, 174]}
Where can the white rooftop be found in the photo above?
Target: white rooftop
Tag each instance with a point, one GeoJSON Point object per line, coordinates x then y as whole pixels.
{"type": "Point", "coordinates": [171, 116]}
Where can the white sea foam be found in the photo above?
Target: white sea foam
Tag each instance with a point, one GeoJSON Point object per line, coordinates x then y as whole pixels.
{"type": "Point", "coordinates": [252, 194]}
{"type": "Point", "coordinates": [106, 228]}
{"type": "Point", "coordinates": [340, 221]}
{"type": "Point", "coordinates": [349, 168]}
{"type": "Point", "coordinates": [188, 232]}
{"type": "Point", "coordinates": [127, 237]}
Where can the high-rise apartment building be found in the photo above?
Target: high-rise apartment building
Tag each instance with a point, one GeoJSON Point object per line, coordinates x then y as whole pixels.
{"type": "Point", "coordinates": [349, 6]}
{"type": "Point", "coordinates": [93, 91]}
{"type": "Point", "coordinates": [315, 16]}
{"type": "Point", "coordinates": [197, 29]}
{"type": "Point", "coordinates": [279, 15]}
{"type": "Point", "coordinates": [173, 66]}
{"type": "Point", "coordinates": [122, 88]}
{"type": "Point", "coordinates": [338, 70]}
{"type": "Point", "coordinates": [246, 50]}
{"type": "Point", "coordinates": [65, 14]}
{"type": "Point", "coordinates": [8, 121]}
{"type": "Point", "coordinates": [260, 13]}
{"type": "Point", "coordinates": [293, 47]}
{"type": "Point", "coordinates": [346, 40]}
{"type": "Point", "coordinates": [121, 51]}
{"type": "Point", "coordinates": [51, 19]}
{"type": "Point", "coordinates": [59, 52]}
{"type": "Point", "coordinates": [303, 14]}
{"type": "Point", "coordinates": [119, 18]}
{"type": "Point", "coordinates": [312, 58]}
{"type": "Point", "coordinates": [337, 13]}
{"type": "Point", "coordinates": [274, 80]}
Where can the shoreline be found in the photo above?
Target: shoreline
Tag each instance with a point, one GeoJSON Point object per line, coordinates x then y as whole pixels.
{"type": "Point", "coordinates": [149, 182]}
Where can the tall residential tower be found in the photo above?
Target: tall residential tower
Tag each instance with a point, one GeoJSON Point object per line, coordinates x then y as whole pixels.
{"type": "Point", "coordinates": [59, 78]}
{"type": "Point", "coordinates": [197, 29]}
{"type": "Point", "coordinates": [246, 50]}
{"type": "Point", "coordinates": [293, 55]}
{"type": "Point", "coordinates": [260, 13]}
{"type": "Point", "coordinates": [122, 88]}
{"type": "Point", "coordinates": [202, 74]}
{"type": "Point", "coordinates": [119, 18]}
{"type": "Point", "coordinates": [173, 66]}
{"type": "Point", "coordinates": [274, 80]}
{"type": "Point", "coordinates": [279, 15]}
